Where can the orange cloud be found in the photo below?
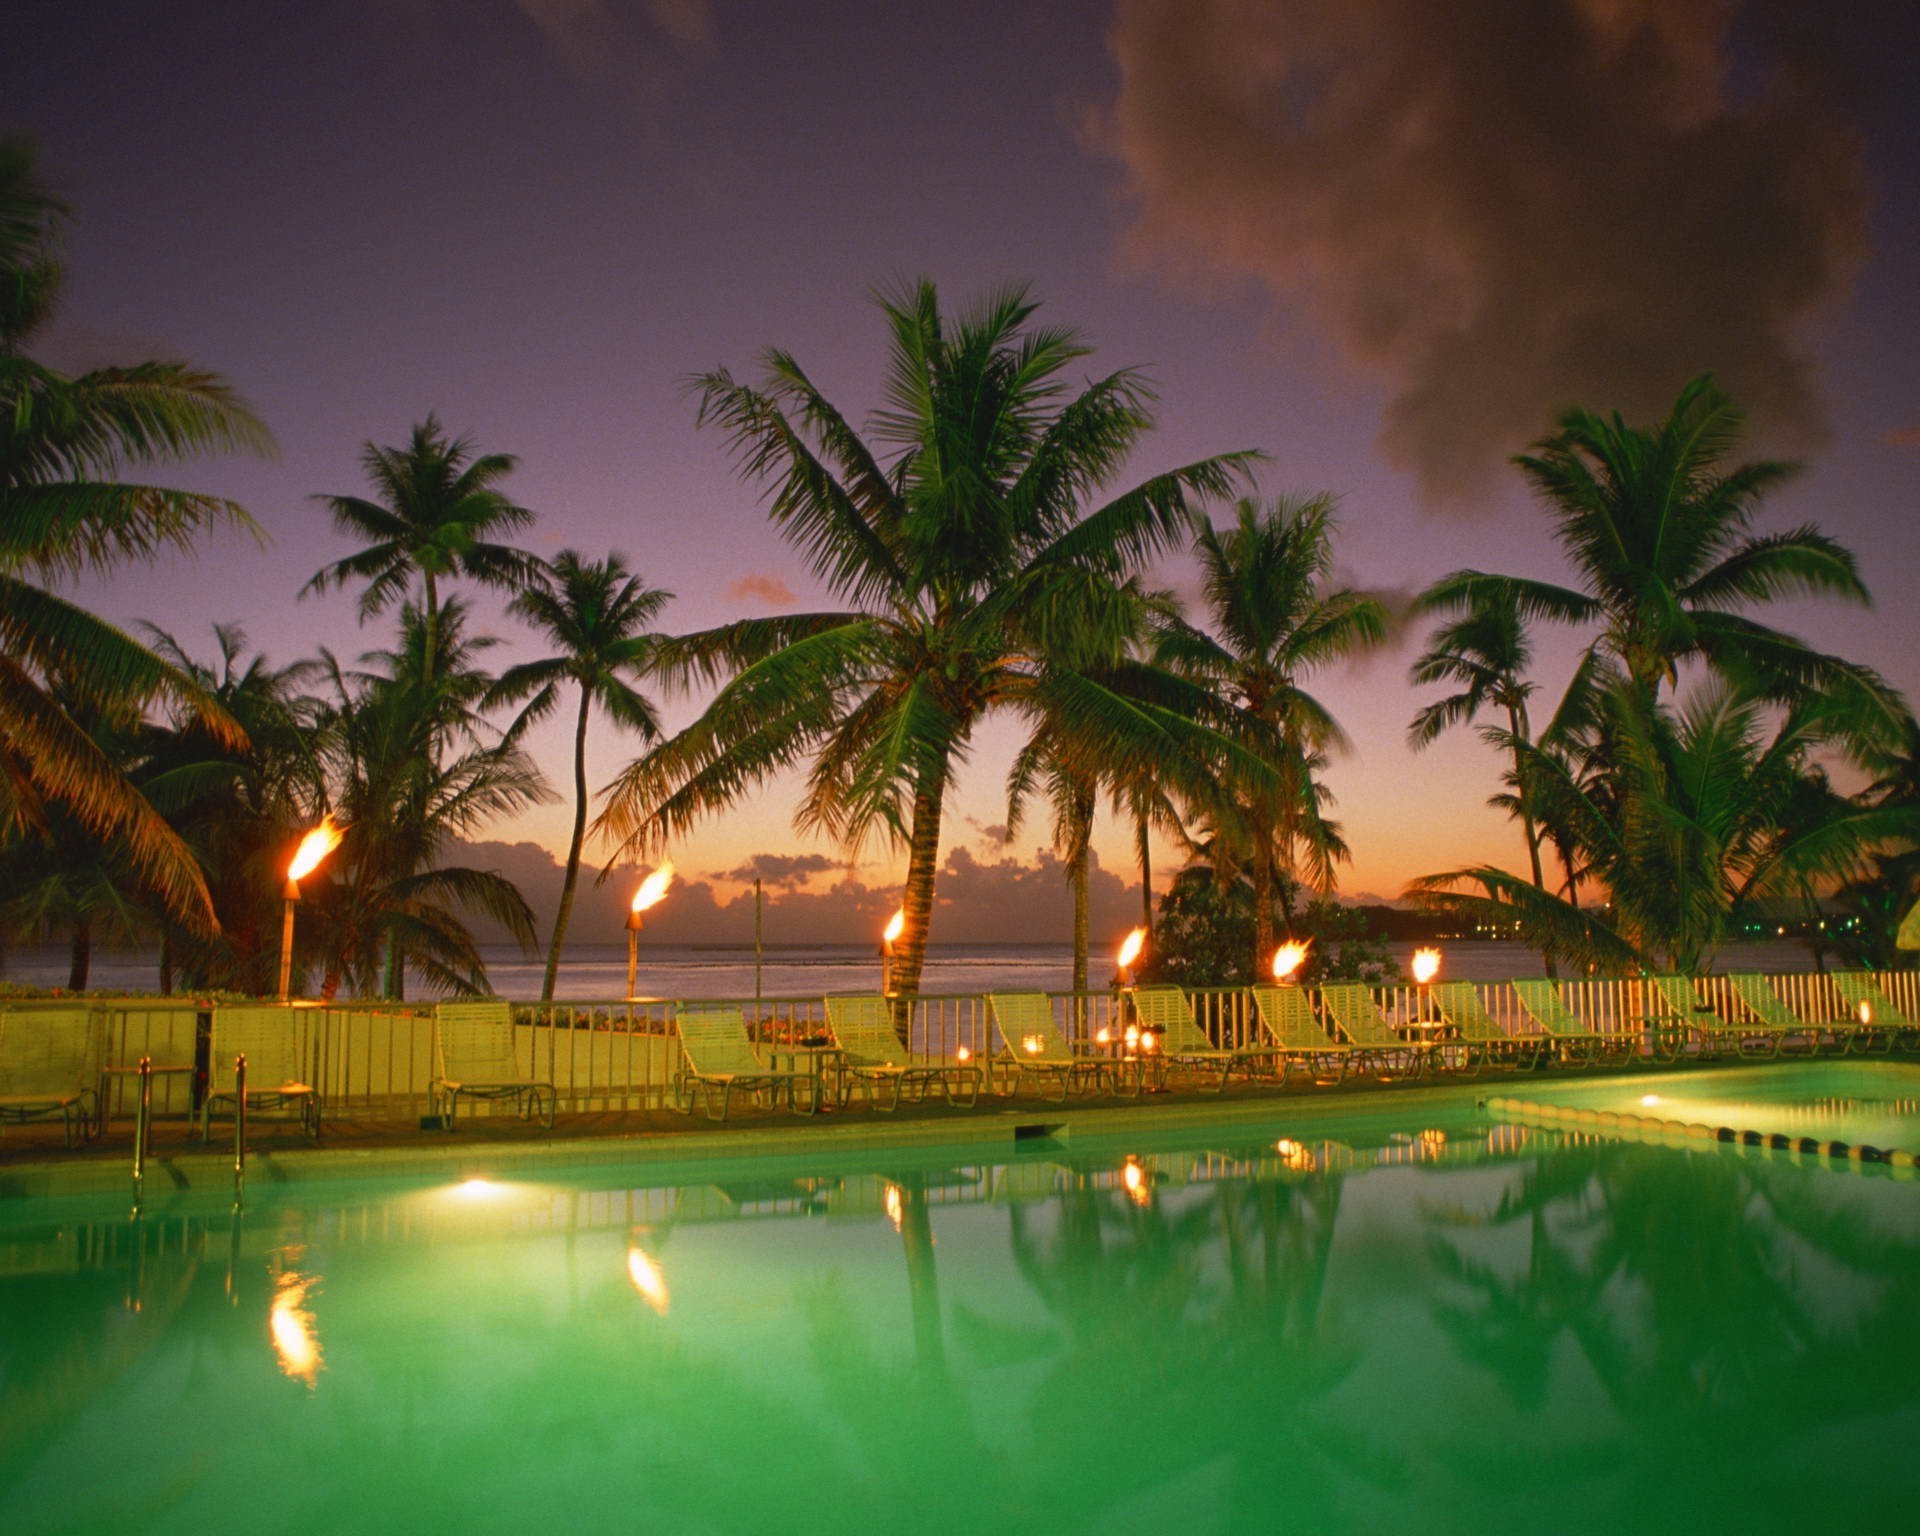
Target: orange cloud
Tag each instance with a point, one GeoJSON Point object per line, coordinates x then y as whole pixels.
{"type": "Point", "coordinates": [770, 590]}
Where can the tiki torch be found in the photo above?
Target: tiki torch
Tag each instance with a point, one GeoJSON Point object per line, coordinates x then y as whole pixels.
{"type": "Point", "coordinates": [314, 847]}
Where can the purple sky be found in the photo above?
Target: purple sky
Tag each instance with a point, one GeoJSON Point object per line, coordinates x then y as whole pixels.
{"type": "Point", "coordinates": [1380, 249]}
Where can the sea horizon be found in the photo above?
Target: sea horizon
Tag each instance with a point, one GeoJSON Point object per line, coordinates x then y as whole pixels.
{"type": "Point", "coordinates": [598, 972]}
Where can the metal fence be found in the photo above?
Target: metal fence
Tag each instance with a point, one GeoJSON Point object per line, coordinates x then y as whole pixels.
{"type": "Point", "coordinates": [374, 1062]}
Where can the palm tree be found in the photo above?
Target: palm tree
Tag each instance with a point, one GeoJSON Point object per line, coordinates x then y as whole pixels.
{"type": "Point", "coordinates": [1659, 537]}
{"type": "Point", "coordinates": [595, 613]}
{"type": "Point", "coordinates": [410, 769]}
{"type": "Point", "coordinates": [440, 508]}
{"type": "Point", "coordinates": [1277, 619]}
{"type": "Point", "coordinates": [237, 808]}
{"type": "Point", "coordinates": [962, 546]}
{"type": "Point", "coordinates": [1699, 813]}
{"type": "Point", "coordinates": [1486, 652]}
{"type": "Point", "coordinates": [64, 510]}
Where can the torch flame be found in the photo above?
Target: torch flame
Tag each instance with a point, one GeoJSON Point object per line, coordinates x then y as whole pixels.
{"type": "Point", "coordinates": [896, 925]}
{"type": "Point", "coordinates": [647, 1279]}
{"type": "Point", "coordinates": [1426, 965]}
{"type": "Point", "coordinates": [653, 887]}
{"type": "Point", "coordinates": [1130, 948]}
{"type": "Point", "coordinates": [314, 847]}
{"type": "Point", "coordinates": [1288, 958]}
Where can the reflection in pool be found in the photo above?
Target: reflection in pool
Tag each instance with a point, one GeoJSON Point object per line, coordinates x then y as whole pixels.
{"type": "Point", "coordinates": [1431, 1323]}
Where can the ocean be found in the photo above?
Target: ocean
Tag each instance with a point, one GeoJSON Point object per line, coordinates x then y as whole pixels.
{"type": "Point", "coordinates": [598, 972]}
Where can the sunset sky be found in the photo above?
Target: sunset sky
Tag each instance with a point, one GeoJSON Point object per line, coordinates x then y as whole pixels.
{"type": "Point", "coordinates": [1381, 241]}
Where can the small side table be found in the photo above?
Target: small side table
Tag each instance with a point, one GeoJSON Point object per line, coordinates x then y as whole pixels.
{"type": "Point", "coordinates": [817, 1060]}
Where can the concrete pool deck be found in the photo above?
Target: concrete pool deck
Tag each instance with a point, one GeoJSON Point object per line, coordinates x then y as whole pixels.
{"type": "Point", "coordinates": [35, 1166]}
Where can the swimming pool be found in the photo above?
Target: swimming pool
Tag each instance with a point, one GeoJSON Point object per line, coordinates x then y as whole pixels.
{"type": "Point", "coordinates": [1341, 1320]}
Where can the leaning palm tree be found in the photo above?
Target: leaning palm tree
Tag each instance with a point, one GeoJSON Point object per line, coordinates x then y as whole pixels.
{"type": "Point", "coordinates": [439, 510]}
{"type": "Point", "coordinates": [1277, 618]}
{"type": "Point", "coordinates": [1659, 534]}
{"type": "Point", "coordinates": [1485, 653]}
{"type": "Point", "coordinates": [65, 509]}
{"type": "Point", "coordinates": [596, 614]}
{"type": "Point", "coordinates": [962, 545]}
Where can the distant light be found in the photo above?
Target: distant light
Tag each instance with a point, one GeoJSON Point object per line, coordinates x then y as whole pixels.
{"type": "Point", "coordinates": [1648, 1100]}
{"type": "Point", "coordinates": [965, 1053]}
{"type": "Point", "coordinates": [477, 1189]}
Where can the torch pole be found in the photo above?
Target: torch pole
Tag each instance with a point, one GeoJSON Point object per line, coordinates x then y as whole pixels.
{"type": "Point", "coordinates": [633, 952]}
{"type": "Point", "coordinates": [292, 898]}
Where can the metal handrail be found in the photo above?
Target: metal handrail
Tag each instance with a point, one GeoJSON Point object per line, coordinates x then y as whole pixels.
{"type": "Point", "coordinates": [239, 1129]}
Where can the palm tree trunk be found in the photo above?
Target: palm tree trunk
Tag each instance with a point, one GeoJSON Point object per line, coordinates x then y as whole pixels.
{"type": "Point", "coordinates": [561, 917]}
{"type": "Point", "coordinates": [394, 987]}
{"type": "Point", "coordinates": [80, 956]}
{"type": "Point", "coordinates": [431, 627]}
{"type": "Point", "coordinates": [923, 857]}
{"type": "Point", "coordinates": [166, 963]}
{"type": "Point", "coordinates": [1142, 833]}
{"type": "Point", "coordinates": [1260, 868]}
{"type": "Point", "coordinates": [1517, 728]}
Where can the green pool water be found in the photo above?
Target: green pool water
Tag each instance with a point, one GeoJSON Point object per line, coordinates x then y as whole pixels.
{"type": "Point", "coordinates": [1411, 1320]}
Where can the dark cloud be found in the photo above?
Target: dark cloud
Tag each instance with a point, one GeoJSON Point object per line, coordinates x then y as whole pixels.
{"type": "Point", "coordinates": [780, 869]}
{"type": "Point", "coordinates": [771, 590]}
{"type": "Point", "coordinates": [1505, 206]}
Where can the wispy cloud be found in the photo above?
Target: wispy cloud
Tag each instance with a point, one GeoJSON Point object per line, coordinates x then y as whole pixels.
{"type": "Point", "coordinates": [1506, 206]}
{"type": "Point", "coordinates": [771, 590]}
{"type": "Point", "coordinates": [785, 870]}
{"type": "Point", "coordinates": [1905, 437]}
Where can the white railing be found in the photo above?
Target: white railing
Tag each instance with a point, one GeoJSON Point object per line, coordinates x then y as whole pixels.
{"type": "Point", "coordinates": [375, 1062]}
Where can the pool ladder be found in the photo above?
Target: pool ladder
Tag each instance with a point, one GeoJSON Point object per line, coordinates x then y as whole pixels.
{"type": "Point", "coordinates": [143, 1126]}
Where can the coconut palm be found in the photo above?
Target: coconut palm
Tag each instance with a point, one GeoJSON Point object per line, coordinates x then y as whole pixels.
{"type": "Point", "coordinates": [237, 808]}
{"type": "Point", "coordinates": [961, 543]}
{"type": "Point", "coordinates": [1276, 618]}
{"type": "Point", "coordinates": [1699, 813]}
{"type": "Point", "coordinates": [1659, 534]}
{"type": "Point", "coordinates": [440, 509]}
{"type": "Point", "coordinates": [1486, 653]}
{"type": "Point", "coordinates": [65, 509]}
{"type": "Point", "coordinates": [410, 768]}
{"type": "Point", "coordinates": [596, 614]}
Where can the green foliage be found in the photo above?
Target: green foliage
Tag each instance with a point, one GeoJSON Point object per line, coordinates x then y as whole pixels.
{"type": "Point", "coordinates": [1203, 937]}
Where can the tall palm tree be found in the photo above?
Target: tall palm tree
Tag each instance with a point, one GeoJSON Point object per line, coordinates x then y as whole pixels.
{"type": "Point", "coordinates": [964, 550]}
{"type": "Point", "coordinates": [1277, 618]}
{"type": "Point", "coordinates": [1659, 537]}
{"type": "Point", "coordinates": [1486, 653]}
{"type": "Point", "coordinates": [65, 442]}
{"type": "Point", "coordinates": [440, 509]}
{"type": "Point", "coordinates": [596, 615]}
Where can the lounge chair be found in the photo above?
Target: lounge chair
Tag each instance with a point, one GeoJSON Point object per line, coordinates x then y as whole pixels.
{"type": "Point", "coordinates": [1761, 1009]}
{"type": "Point", "coordinates": [718, 1054]}
{"type": "Point", "coordinates": [1183, 1043]}
{"type": "Point", "coordinates": [1677, 1015]}
{"type": "Point", "coordinates": [1877, 1016]}
{"type": "Point", "coordinates": [1286, 1014]}
{"type": "Point", "coordinates": [1359, 1018]}
{"type": "Point", "coordinates": [48, 1066]}
{"type": "Point", "coordinates": [273, 1041]}
{"type": "Point", "coordinates": [862, 1026]}
{"type": "Point", "coordinates": [1036, 1047]}
{"type": "Point", "coordinates": [1573, 1041]}
{"type": "Point", "coordinates": [1485, 1041]}
{"type": "Point", "coordinates": [476, 1053]}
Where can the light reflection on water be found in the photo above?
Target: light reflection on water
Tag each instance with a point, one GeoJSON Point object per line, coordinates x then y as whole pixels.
{"type": "Point", "coordinates": [1484, 1326]}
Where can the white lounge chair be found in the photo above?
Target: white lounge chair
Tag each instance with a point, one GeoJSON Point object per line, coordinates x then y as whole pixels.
{"type": "Point", "coordinates": [719, 1055]}
{"type": "Point", "coordinates": [476, 1053]}
{"type": "Point", "coordinates": [273, 1040]}
{"type": "Point", "coordinates": [48, 1065]}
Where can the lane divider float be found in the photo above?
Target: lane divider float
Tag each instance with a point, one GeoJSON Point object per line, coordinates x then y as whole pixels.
{"type": "Point", "coordinates": [1694, 1130]}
